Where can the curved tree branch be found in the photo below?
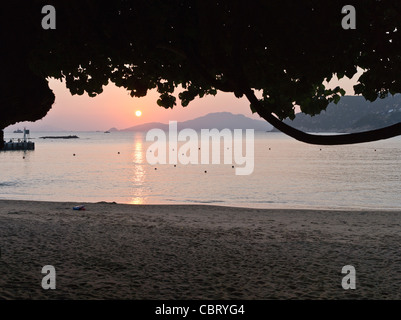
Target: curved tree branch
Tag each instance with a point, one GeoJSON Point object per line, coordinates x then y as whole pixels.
{"type": "Point", "coordinates": [351, 138]}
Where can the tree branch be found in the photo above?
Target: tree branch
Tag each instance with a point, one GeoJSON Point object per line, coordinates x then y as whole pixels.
{"type": "Point", "coordinates": [351, 138]}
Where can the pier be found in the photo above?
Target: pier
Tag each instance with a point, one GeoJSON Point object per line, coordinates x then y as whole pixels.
{"type": "Point", "coordinates": [18, 144]}
{"type": "Point", "coordinates": [24, 145]}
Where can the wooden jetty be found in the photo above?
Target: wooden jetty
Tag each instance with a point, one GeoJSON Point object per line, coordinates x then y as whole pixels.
{"type": "Point", "coordinates": [23, 144]}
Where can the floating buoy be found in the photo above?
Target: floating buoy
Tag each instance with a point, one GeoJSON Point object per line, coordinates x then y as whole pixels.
{"type": "Point", "coordinates": [74, 154]}
{"type": "Point", "coordinates": [205, 171]}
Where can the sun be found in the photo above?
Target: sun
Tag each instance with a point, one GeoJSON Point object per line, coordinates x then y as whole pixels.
{"type": "Point", "coordinates": [138, 113]}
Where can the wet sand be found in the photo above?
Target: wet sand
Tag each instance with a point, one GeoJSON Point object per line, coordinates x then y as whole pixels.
{"type": "Point", "coordinates": [116, 251]}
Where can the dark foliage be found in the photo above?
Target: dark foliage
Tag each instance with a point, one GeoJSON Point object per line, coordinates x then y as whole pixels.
{"type": "Point", "coordinates": [284, 49]}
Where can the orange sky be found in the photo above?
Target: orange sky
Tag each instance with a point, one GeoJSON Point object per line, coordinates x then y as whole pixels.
{"type": "Point", "coordinates": [116, 108]}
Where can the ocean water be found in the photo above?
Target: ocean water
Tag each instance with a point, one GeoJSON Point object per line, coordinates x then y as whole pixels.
{"type": "Point", "coordinates": [287, 173]}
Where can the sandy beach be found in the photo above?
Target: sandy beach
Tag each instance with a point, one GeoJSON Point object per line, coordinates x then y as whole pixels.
{"type": "Point", "coordinates": [116, 251]}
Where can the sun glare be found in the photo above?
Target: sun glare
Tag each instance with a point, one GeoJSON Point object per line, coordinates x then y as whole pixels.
{"type": "Point", "coordinates": [138, 113]}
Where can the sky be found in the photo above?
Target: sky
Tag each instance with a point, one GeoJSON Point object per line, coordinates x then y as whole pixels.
{"type": "Point", "coordinates": [116, 108]}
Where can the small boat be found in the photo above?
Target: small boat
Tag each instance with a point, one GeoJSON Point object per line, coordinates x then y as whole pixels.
{"type": "Point", "coordinates": [107, 132]}
{"type": "Point", "coordinates": [18, 131]}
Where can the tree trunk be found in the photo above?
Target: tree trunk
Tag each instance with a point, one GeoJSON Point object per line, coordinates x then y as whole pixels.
{"type": "Point", "coordinates": [1, 139]}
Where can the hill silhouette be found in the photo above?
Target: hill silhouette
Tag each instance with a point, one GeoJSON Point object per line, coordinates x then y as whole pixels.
{"type": "Point", "coordinates": [351, 114]}
{"type": "Point", "coordinates": [218, 120]}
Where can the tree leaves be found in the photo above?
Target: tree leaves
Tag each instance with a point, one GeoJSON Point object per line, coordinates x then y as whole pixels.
{"type": "Point", "coordinates": [286, 49]}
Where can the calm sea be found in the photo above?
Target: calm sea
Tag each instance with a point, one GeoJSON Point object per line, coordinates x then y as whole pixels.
{"type": "Point", "coordinates": [287, 174]}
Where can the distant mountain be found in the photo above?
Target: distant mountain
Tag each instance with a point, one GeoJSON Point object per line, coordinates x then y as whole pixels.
{"type": "Point", "coordinates": [147, 126]}
{"type": "Point", "coordinates": [218, 120]}
{"type": "Point", "coordinates": [351, 114]}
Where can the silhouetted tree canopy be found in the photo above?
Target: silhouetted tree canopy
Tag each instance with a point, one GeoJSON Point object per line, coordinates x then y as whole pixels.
{"type": "Point", "coordinates": [283, 49]}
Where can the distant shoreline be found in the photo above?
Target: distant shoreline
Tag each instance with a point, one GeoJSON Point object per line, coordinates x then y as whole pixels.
{"type": "Point", "coordinates": [60, 137]}
{"type": "Point", "coordinates": [213, 205]}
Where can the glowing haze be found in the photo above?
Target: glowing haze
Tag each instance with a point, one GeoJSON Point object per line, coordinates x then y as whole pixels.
{"type": "Point", "coordinates": [116, 108]}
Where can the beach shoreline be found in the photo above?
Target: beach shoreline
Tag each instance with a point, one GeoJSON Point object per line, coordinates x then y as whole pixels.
{"type": "Point", "coordinates": [202, 252]}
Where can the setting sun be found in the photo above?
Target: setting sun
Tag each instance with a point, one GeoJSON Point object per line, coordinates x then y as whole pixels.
{"type": "Point", "coordinates": [138, 113]}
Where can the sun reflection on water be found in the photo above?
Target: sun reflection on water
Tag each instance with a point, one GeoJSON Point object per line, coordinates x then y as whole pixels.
{"type": "Point", "coordinates": [138, 174]}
